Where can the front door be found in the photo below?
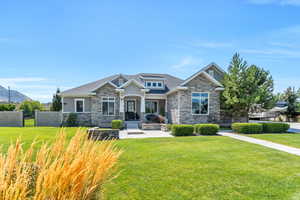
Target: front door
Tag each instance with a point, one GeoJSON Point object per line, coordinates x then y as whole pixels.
{"type": "Point", "coordinates": [131, 110]}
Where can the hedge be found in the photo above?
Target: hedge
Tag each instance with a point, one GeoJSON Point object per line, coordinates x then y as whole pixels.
{"type": "Point", "coordinates": [275, 127]}
{"type": "Point", "coordinates": [247, 128]}
{"type": "Point", "coordinates": [117, 124]}
{"type": "Point", "coordinates": [207, 129]}
{"type": "Point", "coordinates": [182, 130]}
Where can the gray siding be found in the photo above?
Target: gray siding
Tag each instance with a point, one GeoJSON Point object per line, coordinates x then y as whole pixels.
{"type": "Point", "coordinates": [70, 107]}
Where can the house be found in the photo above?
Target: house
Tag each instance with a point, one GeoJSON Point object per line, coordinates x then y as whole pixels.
{"type": "Point", "coordinates": [130, 97]}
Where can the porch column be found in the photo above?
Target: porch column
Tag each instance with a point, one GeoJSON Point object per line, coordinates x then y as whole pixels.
{"type": "Point", "coordinates": [121, 104]}
{"type": "Point", "coordinates": [142, 108]}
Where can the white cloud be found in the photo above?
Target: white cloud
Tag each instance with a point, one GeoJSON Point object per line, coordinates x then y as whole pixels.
{"type": "Point", "coordinates": [212, 45]}
{"type": "Point", "coordinates": [186, 62]}
{"type": "Point", "coordinates": [278, 2]}
{"type": "Point", "coordinates": [273, 52]}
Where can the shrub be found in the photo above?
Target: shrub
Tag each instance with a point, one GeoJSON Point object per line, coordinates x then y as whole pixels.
{"type": "Point", "coordinates": [275, 127]}
{"type": "Point", "coordinates": [247, 128]}
{"type": "Point", "coordinates": [7, 107]}
{"type": "Point", "coordinates": [64, 170]}
{"type": "Point", "coordinates": [182, 130]}
{"type": "Point", "coordinates": [169, 127]}
{"type": "Point", "coordinates": [29, 107]}
{"type": "Point", "coordinates": [72, 120]}
{"type": "Point", "coordinates": [117, 124]}
{"type": "Point", "coordinates": [207, 129]}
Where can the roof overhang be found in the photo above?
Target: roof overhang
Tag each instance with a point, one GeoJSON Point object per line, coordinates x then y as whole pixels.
{"type": "Point", "coordinates": [219, 89]}
{"type": "Point", "coordinates": [77, 95]}
{"type": "Point", "coordinates": [101, 85]}
{"type": "Point", "coordinates": [178, 88]}
{"type": "Point", "coordinates": [214, 65]}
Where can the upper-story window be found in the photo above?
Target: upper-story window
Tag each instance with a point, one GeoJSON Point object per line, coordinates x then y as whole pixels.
{"type": "Point", "coordinates": [79, 105]}
{"type": "Point", "coordinates": [211, 73]}
{"type": "Point", "coordinates": [154, 84]}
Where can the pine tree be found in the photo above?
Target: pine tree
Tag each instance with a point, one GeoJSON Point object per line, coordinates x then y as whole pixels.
{"type": "Point", "coordinates": [56, 101]}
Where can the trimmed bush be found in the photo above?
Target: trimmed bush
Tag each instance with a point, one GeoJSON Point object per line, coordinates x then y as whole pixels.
{"type": "Point", "coordinates": [72, 120]}
{"type": "Point", "coordinates": [169, 127]}
{"type": "Point", "coordinates": [117, 124]}
{"type": "Point", "coordinates": [182, 130]}
{"type": "Point", "coordinates": [247, 128]}
{"type": "Point", "coordinates": [275, 127]}
{"type": "Point", "coordinates": [207, 129]}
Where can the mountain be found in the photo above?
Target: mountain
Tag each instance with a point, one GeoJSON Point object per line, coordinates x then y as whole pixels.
{"type": "Point", "coordinates": [15, 96]}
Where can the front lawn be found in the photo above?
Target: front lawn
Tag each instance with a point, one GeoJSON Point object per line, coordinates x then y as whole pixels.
{"type": "Point", "coordinates": [205, 167]}
{"type": "Point", "coordinates": [290, 139]}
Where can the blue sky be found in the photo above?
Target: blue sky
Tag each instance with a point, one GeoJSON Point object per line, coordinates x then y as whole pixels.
{"type": "Point", "coordinates": [49, 44]}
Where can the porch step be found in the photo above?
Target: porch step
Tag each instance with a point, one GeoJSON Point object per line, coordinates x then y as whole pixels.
{"type": "Point", "coordinates": [132, 124]}
{"type": "Point", "coordinates": [134, 131]}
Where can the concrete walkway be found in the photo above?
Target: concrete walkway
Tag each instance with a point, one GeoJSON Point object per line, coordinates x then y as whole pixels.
{"type": "Point", "coordinates": [265, 143]}
{"type": "Point", "coordinates": [125, 134]}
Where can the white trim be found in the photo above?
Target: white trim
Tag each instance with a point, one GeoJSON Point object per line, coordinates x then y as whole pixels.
{"type": "Point", "coordinates": [219, 89]}
{"type": "Point", "coordinates": [78, 95]}
{"type": "Point", "coordinates": [130, 81]}
{"type": "Point", "coordinates": [155, 96]}
{"type": "Point", "coordinates": [114, 101]}
{"type": "Point", "coordinates": [206, 75]}
{"type": "Point", "coordinates": [208, 93]}
{"type": "Point", "coordinates": [152, 78]}
{"type": "Point", "coordinates": [101, 85]}
{"type": "Point", "coordinates": [62, 104]}
{"type": "Point", "coordinates": [75, 105]}
{"type": "Point", "coordinates": [176, 89]}
{"type": "Point", "coordinates": [214, 65]}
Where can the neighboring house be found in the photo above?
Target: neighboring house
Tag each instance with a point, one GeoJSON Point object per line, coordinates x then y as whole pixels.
{"type": "Point", "coordinates": [129, 97]}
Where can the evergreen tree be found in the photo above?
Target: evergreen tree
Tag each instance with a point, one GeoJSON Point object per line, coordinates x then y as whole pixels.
{"type": "Point", "coordinates": [56, 101]}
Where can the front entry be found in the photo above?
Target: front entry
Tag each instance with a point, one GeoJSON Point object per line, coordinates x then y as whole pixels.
{"type": "Point", "coordinates": [131, 113]}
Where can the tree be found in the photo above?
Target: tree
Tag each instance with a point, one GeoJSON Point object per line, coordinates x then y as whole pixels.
{"type": "Point", "coordinates": [29, 107]}
{"type": "Point", "coordinates": [291, 96]}
{"type": "Point", "coordinates": [56, 101]}
{"type": "Point", "coordinates": [246, 86]}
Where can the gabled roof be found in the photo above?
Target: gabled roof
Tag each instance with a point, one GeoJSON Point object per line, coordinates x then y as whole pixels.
{"type": "Point", "coordinates": [203, 71]}
{"type": "Point", "coordinates": [171, 82]}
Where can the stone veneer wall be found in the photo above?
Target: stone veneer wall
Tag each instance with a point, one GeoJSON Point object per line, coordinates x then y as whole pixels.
{"type": "Point", "coordinates": [97, 119]}
{"type": "Point", "coordinates": [83, 119]}
{"type": "Point", "coordinates": [199, 84]}
{"type": "Point", "coordinates": [172, 108]}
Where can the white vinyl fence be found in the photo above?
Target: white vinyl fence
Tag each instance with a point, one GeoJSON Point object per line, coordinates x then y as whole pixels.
{"type": "Point", "coordinates": [48, 118]}
{"type": "Point", "coordinates": [11, 119]}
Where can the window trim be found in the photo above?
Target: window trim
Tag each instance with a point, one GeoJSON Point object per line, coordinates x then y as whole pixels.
{"type": "Point", "coordinates": [83, 105]}
{"type": "Point", "coordinates": [114, 101]}
{"type": "Point", "coordinates": [157, 103]}
{"type": "Point", "coordinates": [208, 96]}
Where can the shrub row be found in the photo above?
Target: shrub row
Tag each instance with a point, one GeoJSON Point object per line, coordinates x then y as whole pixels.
{"type": "Point", "coordinates": [189, 130]}
{"type": "Point", "coordinates": [256, 128]}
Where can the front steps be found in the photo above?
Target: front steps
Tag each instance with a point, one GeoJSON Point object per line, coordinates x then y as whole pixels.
{"type": "Point", "coordinates": [133, 127]}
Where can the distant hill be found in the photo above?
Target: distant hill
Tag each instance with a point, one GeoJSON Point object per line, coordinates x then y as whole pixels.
{"type": "Point", "coordinates": [15, 96]}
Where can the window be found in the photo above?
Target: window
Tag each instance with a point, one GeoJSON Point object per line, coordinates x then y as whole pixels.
{"type": "Point", "coordinates": [154, 84]}
{"type": "Point", "coordinates": [200, 103]}
{"type": "Point", "coordinates": [79, 105]}
{"type": "Point", "coordinates": [108, 106]}
{"type": "Point", "coordinates": [151, 107]}
{"type": "Point", "coordinates": [211, 73]}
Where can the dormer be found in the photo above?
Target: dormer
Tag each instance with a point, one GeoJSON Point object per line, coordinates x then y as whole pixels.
{"type": "Point", "coordinates": [153, 81]}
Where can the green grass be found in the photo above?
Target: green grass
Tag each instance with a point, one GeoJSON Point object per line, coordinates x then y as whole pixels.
{"type": "Point", "coordinates": [206, 167]}
{"type": "Point", "coordinates": [290, 139]}
{"type": "Point", "coordinates": [29, 122]}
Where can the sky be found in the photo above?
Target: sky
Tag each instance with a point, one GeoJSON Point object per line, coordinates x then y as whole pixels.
{"type": "Point", "coordinates": [55, 43]}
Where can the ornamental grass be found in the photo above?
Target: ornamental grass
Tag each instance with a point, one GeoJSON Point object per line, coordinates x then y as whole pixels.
{"type": "Point", "coordinates": [62, 170]}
